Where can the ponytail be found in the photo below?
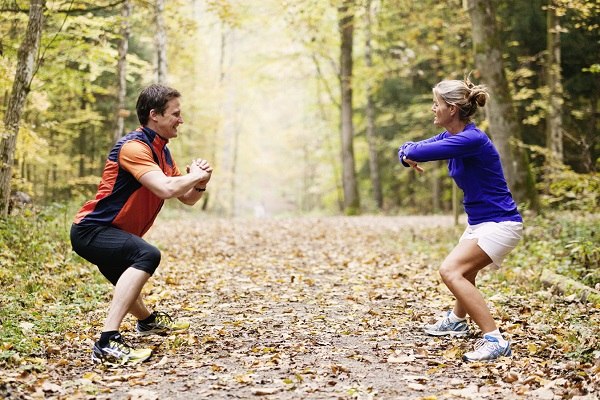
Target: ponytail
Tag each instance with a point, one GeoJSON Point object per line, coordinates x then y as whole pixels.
{"type": "Point", "coordinates": [463, 94]}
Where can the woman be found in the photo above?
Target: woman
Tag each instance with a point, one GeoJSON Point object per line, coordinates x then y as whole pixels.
{"type": "Point", "coordinates": [494, 223]}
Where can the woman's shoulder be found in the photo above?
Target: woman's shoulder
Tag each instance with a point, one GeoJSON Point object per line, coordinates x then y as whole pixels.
{"type": "Point", "coordinates": [474, 133]}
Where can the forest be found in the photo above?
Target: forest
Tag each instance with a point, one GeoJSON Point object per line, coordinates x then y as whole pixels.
{"type": "Point", "coordinates": [300, 106]}
{"type": "Point", "coordinates": [262, 86]}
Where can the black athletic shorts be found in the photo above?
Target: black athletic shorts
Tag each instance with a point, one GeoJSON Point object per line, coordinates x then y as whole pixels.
{"type": "Point", "coordinates": [113, 250]}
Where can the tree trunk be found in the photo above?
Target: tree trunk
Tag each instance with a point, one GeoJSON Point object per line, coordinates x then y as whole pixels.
{"type": "Point", "coordinates": [161, 42]}
{"type": "Point", "coordinates": [504, 127]}
{"type": "Point", "coordinates": [333, 160]}
{"type": "Point", "coordinates": [370, 111]}
{"type": "Point", "coordinates": [122, 70]}
{"type": "Point", "coordinates": [554, 136]}
{"type": "Point", "coordinates": [346, 26]}
{"type": "Point", "coordinates": [230, 126]}
{"type": "Point", "coordinates": [21, 86]}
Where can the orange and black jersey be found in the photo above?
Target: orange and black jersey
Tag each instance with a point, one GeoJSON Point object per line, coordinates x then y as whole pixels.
{"type": "Point", "coordinates": [121, 200]}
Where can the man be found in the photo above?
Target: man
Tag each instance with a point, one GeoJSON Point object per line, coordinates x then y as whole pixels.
{"type": "Point", "coordinates": [138, 176]}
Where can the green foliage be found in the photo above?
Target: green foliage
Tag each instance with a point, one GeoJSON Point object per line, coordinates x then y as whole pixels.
{"type": "Point", "coordinates": [567, 190]}
{"type": "Point", "coordinates": [594, 69]}
{"type": "Point", "coordinates": [45, 287]}
{"type": "Point", "coordinates": [68, 122]}
{"type": "Point", "coordinates": [567, 243]}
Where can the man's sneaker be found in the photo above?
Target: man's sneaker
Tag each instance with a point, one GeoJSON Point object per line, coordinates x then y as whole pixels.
{"type": "Point", "coordinates": [488, 349]}
{"type": "Point", "coordinates": [117, 352]}
{"type": "Point", "coordinates": [444, 327]}
{"type": "Point", "coordinates": [161, 325]}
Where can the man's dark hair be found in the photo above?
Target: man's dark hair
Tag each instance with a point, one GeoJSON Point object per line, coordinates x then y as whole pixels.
{"type": "Point", "coordinates": [154, 97]}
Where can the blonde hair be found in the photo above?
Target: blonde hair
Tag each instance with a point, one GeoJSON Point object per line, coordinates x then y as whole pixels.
{"type": "Point", "coordinates": [463, 94]}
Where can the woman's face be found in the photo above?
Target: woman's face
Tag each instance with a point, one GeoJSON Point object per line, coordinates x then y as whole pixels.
{"type": "Point", "coordinates": [443, 111]}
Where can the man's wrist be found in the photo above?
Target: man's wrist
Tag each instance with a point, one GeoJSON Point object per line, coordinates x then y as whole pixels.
{"type": "Point", "coordinates": [200, 189]}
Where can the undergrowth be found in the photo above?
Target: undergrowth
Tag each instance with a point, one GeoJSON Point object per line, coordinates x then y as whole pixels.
{"type": "Point", "coordinates": [46, 288]}
{"type": "Point", "coordinates": [567, 243]}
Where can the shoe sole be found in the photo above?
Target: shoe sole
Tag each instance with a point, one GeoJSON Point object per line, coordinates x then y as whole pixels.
{"type": "Point", "coordinates": [97, 360]}
{"type": "Point", "coordinates": [446, 333]}
{"type": "Point", "coordinates": [509, 354]}
{"type": "Point", "coordinates": [161, 332]}
{"type": "Point", "coordinates": [152, 332]}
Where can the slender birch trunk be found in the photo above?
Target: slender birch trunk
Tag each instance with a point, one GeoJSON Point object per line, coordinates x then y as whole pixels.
{"type": "Point", "coordinates": [554, 130]}
{"type": "Point", "coordinates": [122, 70]}
{"type": "Point", "coordinates": [370, 111]}
{"type": "Point", "coordinates": [24, 75]}
{"type": "Point", "coordinates": [346, 27]}
{"type": "Point", "coordinates": [161, 42]}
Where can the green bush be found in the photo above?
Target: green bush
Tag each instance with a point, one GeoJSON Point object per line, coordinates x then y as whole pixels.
{"type": "Point", "coordinates": [45, 286]}
{"type": "Point", "coordinates": [563, 189]}
{"type": "Point", "coordinates": [566, 242]}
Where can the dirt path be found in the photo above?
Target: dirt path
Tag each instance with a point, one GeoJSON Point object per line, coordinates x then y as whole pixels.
{"type": "Point", "coordinates": [311, 308]}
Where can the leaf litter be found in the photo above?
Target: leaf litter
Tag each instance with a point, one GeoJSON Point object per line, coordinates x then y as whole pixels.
{"type": "Point", "coordinates": [319, 308]}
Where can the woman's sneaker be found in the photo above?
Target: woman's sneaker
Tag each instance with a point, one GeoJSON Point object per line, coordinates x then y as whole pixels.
{"type": "Point", "coordinates": [488, 349]}
{"type": "Point", "coordinates": [446, 328]}
{"type": "Point", "coordinates": [163, 324]}
{"type": "Point", "coordinates": [117, 353]}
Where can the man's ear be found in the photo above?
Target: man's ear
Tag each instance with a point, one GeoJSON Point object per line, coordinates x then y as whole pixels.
{"type": "Point", "coordinates": [153, 114]}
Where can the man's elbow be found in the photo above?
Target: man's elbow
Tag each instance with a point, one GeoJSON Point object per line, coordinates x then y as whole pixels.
{"type": "Point", "coordinates": [187, 202]}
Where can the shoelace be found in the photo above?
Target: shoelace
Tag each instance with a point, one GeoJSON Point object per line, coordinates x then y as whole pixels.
{"type": "Point", "coordinates": [120, 345]}
{"type": "Point", "coordinates": [483, 344]}
{"type": "Point", "coordinates": [480, 343]}
{"type": "Point", "coordinates": [443, 322]}
{"type": "Point", "coordinates": [163, 318]}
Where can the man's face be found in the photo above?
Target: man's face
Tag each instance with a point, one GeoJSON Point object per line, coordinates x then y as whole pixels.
{"type": "Point", "coordinates": [166, 125]}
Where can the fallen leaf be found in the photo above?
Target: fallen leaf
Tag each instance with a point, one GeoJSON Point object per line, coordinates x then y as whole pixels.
{"type": "Point", "coordinates": [542, 393]}
{"type": "Point", "coordinates": [142, 394]}
{"type": "Point", "coordinates": [265, 391]}
{"type": "Point", "coordinates": [401, 359]}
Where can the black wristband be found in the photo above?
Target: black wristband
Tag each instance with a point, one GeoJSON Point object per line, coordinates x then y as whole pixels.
{"type": "Point", "coordinates": [200, 189]}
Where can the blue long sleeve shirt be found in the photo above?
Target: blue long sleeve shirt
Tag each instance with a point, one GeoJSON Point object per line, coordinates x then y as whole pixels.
{"type": "Point", "coordinates": [474, 164]}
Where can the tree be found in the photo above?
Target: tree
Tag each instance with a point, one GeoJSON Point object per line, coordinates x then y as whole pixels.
{"type": "Point", "coordinates": [370, 114]}
{"type": "Point", "coordinates": [554, 134]}
{"type": "Point", "coordinates": [122, 69]}
{"type": "Point", "coordinates": [504, 126]}
{"type": "Point", "coordinates": [346, 29]}
{"type": "Point", "coordinates": [26, 65]}
{"type": "Point", "coordinates": [161, 42]}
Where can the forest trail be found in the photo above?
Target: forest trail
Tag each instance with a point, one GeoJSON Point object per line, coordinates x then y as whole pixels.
{"type": "Point", "coordinates": [307, 308]}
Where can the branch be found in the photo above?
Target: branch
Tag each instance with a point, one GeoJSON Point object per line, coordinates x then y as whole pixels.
{"type": "Point", "coordinates": [322, 78]}
{"type": "Point", "coordinates": [69, 11]}
{"type": "Point", "coordinates": [92, 9]}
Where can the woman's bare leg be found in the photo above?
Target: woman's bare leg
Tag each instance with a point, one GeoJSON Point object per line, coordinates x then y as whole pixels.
{"type": "Point", "coordinates": [459, 310]}
{"type": "Point", "coordinates": [458, 271]}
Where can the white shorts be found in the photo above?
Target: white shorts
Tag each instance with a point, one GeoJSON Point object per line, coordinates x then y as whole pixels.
{"type": "Point", "coordinates": [496, 239]}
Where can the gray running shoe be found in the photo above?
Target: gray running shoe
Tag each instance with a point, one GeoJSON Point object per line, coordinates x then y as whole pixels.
{"type": "Point", "coordinates": [488, 349]}
{"type": "Point", "coordinates": [446, 328]}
